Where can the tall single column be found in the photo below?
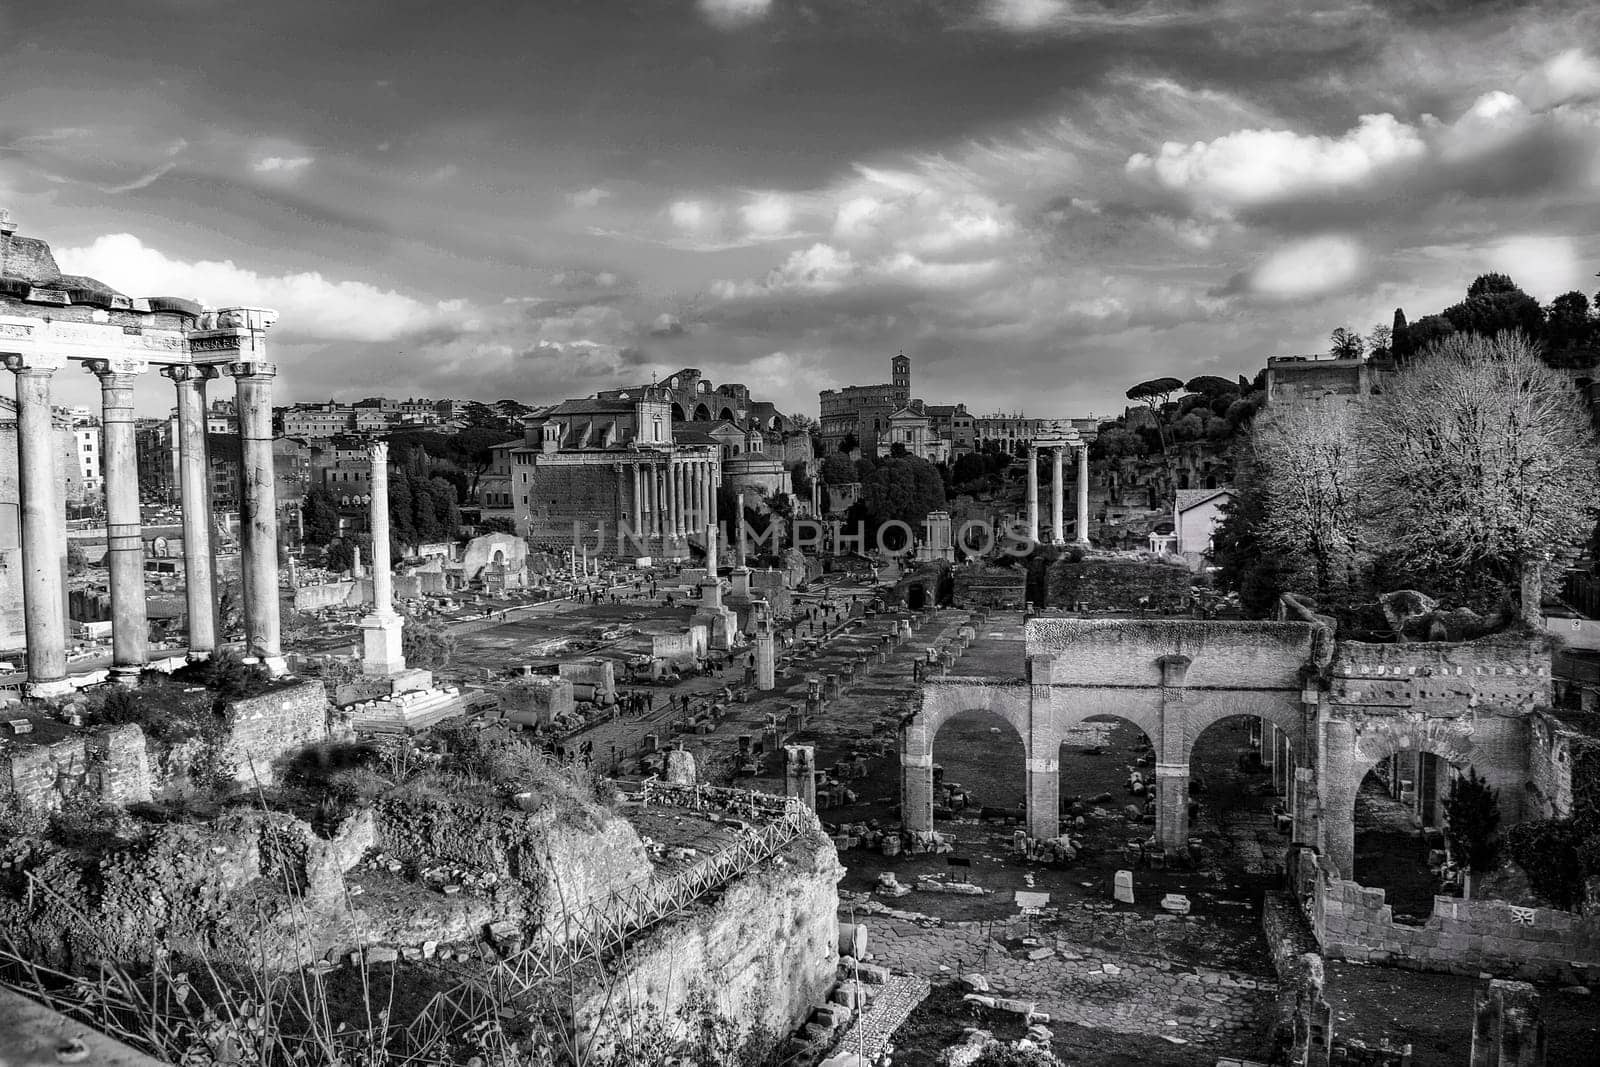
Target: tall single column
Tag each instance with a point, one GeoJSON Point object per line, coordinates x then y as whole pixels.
{"type": "Point", "coordinates": [44, 533]}
{"type": "Point", "coordinates": [130, 630]}
{"type": "Point", "coordinates": [199, 570]}
{"type": "Point", "coordinates": [1057, 509]}
{"type": "Point", "coordinates": [677, 497]}
{"type": "Point", "coordinates": [713, 538]}
{"type": "Point", "coordinates": [381, 642]}
{"type": "Point", "coordinates": [738, 519]}
{"type": "Point", "coordinates": [1033, 494]}
{"type": "Point", "coordinates": [916, 776]}
{"type": "Point", "coordinates": [258, 512]}
{"type": "Point", "coordinates": [649, 499]}
{"type": "Point", "coordinates": [698, 471]}
{"type": "Point", "coordinates": [1083, 495]}
{"type": "Point", "coordinates": [638, 500]}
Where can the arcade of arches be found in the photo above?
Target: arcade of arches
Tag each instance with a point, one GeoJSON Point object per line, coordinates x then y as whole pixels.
{"type": "Point", "coordinates": [1330, 711]}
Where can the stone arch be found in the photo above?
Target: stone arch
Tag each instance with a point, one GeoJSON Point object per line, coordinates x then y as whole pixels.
{"type": "Point", "coordinates": [1352, 749]}
{"type": "Point", "coordinates": [1281, 708]}
{"type": "Point", "coordinates": [678, 413]}
{"type": "Point", "coordinates": [702, 413]}
{"type": "Point", "coordinates": [727, 415]}
{"type": "Point", "coordinates": [941, 702]}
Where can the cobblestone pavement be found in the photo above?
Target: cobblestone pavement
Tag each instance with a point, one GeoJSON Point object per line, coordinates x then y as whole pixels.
{"type": "Point", "coordinates": [1091, 987]}
{"type": "Point", "coordinates": [895, 1001]}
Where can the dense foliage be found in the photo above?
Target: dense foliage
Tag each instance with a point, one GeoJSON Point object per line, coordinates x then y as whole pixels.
{"type": "Point", "coordinates": [1472, 822]}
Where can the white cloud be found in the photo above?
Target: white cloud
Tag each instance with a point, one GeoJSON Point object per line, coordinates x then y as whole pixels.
{"type": "Point", "coordinates": [767, 215]}
{"type": "Point", "coordinates": [280, 164]}
{"type": "Point", "coordinates": [1026, 14]}
{"type": "Point", "coordinates": [1251, 167]}
{"type": "Point", "coordinates": [1545, 266]}
{"type": "Point", "coordinates": [309, 305]}
{"type": "Point", "coordinates": [1312, 267]}
{"type": "Point", "coordinates": [820, 268]}
{"type": "Point", "coordinates": [730, 14]}
{"type": "Point", "coordinates": [587, 198]}
{"type": "Point", "coordinates": [693, 216]}
{"type": "Point", "coordinates": [1572, 76]}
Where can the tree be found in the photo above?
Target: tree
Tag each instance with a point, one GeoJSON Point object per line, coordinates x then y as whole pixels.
{"type": "Point", "coordinates": [1346, 344]}
{"type": "Point", "coordinates": [1155, 395]}
{"type": "Point", "coordinates": [1245, 563]}
{"type": "Point", "coordinates": [339, 556]}
{"type": "Point", "coordinates": [319, 514]}
{"type": "Point", "coordinates": [1478, 458]}
{"type": "Point", "coordinates": [1305, 462]}
{"type": "Point", "coordinates": [497, 524]}
{"type": "Point", "coordinates": [1472, 825]}
{"type": "Point", "coordinates": [800, 480]}
{"type": "Point", "coordinates": [837, 469]}
{"type": "Point", "coordinates": [1210, 385]}
{"type": "Point", "coordinates": [1381, 338]}
{"type": "Point", "coordinates": [1399, 343]}
{"type": "Point", "coordinates": [850, 443]}
{"type": "Point", "coordinates": [904, 488]}
{"type": "Point", "coordinates": [1494, 304]}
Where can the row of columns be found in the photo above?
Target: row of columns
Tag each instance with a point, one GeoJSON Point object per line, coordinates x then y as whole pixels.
{"type": "Point", "coordinates": [675, 497]}
{"type": "Point", "coordinates": [43, 524]}
{"type": "Point", "coordinates": [1058, 495]}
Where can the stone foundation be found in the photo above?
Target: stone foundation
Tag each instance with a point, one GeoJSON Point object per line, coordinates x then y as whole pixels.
{"type": "Point", "coordinates": [266, 727]}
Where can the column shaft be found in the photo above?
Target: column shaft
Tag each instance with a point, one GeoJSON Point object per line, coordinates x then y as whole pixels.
{"type": "Point", "coordinates": [193, 477]}
{"type": "Point", "coordinates": [130, 630]}
{"type": "Point", "coordinates": [1033, 493]}
{"type": "Point", "coordinates": [1057, 510]}
{"type": "Point", "coordinates": [675, 470]}
{"type": "Point", "coordinates": [258, 513]}
{"type": "Point", "coordinates": [638, 503]}
{"type": "Point", "coordinates": [44, 534]}
{"type": "Point", "coordinates": [378, 520]}
{"type": "Point", "coordinates": [1083, 495]}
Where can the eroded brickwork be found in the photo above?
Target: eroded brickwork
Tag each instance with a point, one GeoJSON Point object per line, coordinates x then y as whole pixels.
{"type": "Point", "coordinates": [266, 727]}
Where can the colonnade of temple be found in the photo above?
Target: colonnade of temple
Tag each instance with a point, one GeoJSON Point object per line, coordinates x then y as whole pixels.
{"type": "Point", "coordinates": [1057, 493]}
{"type": "Point", "coordinates": [674, 496]}
{"type": "Point", "coordinates": [43, 526]}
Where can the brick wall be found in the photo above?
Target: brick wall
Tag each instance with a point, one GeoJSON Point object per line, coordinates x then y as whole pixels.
{"type": "Point", "coordinates": [1124, 652]}
{"type": "Point", "coordinates": [268, 726]}
{"type": "Point", "coordinates": [1351, 921]}
{"type": "Point", "coordinates": [1549, 768]}
{"type": "Point", "coordinates": [1438, 678]}
{"type": "Point", "coordinates": [111, 763]}
{"type": "Point", "coordinates": [600, 674]}
{"type": "Point", "coordinates": [560, 495]}
{"type": "Point", "coordinates": [1118, 585]}
{"type": "Point", "coordinates": [986, 587]}
{"type": "Point", "coordinates": [770, 584]}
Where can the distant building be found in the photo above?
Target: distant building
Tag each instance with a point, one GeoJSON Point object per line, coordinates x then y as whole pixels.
{"type": "Point", "coordinates": [1005, 433]}
{"type": "Point", "coordinates": [318, 420]}
{"type": "Point", "coordinates": [862, 411]}
{"type": "Point", "coordinates": [1195, 515]}
{"type": "Point", "coordinates": [912, 432]}
{"type": "Point", "coordinates": [1294, 380]}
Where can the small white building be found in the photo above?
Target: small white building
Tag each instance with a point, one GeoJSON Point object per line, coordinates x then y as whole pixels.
{"type": "Point", "coordinates": [1195, 515]}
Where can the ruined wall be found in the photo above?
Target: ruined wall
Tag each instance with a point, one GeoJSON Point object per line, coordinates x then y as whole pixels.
{"type": "Point", "coordinates": [595, 677]}
{"type": "Point", "coordinates": [330, 595]}
{"type": "Point", "coordinates": [772, 585]}
{"type": "Point", "coordinates": [1118, 585]}
{"type": "Point", "coordinates": [1125, 652]}
{"type": "Point", "coordinates": [1439, 678]}
{"type": "Point", "coordinates": [1549, 768]}
{"type": "Point", "coordinates": [1351, 921]}
{"type": "Point", "coordinates": [537, 701]}
{"type": "Point", "coordinates": [565, 490]}
{"type": "Point", "coordinates": [277, 722]}
{"type": "Point", "coordinates": [765, 948]}
{"type": "Point", "coordinates": [992, 587]}
{"type": "Point", "coordinates": [110, 763]}
{"type": "Point", "coordinates": [674, 647]}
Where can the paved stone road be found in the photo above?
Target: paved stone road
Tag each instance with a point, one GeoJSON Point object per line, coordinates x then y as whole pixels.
{"type": "Point", "coordinates": [1090, 986]}
{"type": "Point", "coordinates": [895, 1001]}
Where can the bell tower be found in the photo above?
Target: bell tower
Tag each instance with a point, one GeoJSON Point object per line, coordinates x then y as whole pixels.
{"type": "Point", "coordinates": [900, 377]}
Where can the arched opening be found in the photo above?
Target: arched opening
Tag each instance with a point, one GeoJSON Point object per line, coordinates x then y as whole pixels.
{"type": "Point", "coordinates": [678, 414]}
{"type": "Point", "coordinates": [1399, 831]}
{"type": "Point", "coordinates": [726, 414]}
{"type": "Point", "coordinates": [1108, 790]}
{"type": "Point", "coordinates": [917, 596]}
{"type": "Point", "coordinates": [1241, 795]}
{"type": "Point", "coordinates": [979, 767]}
{"type": "Point", "coordinates": [499, 558]}
{"type": "Point", "coordinates": [702, 413]}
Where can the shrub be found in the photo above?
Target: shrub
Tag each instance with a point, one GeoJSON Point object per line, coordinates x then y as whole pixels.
{"type": "Point", "coordinates": [1548, 852]}
{"type": "Point", "coordinates": [1472, 822]}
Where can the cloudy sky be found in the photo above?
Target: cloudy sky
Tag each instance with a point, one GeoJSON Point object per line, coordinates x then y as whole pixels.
{"type": "Point", "coordinates": [1040, 201]}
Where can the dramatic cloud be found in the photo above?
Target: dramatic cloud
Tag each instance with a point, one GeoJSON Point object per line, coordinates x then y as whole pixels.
{"type": "Point", "coordinates": [587, 198]}
{"type": "Point", "coordinates": [280, 164]}
{"type": "Point", "coordinates": [1308, 268]}
{"type": "Point", "coordinates": [730, 14]}
{"type": "Point", "coordinates": [309, 305]}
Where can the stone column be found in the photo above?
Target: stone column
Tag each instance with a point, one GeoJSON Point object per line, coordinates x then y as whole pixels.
{"type": "Point", "coordinates": [44, 531]}
{"type": "Point", "coordinates": [1172, 757]}
{"type": "Point", "coordinates": [916, 777]}
{"type": "Point", "coordinates": [258, 513]}
{"type": "Point", "coordinates": [1033, 494]}
{"type": "Point", "coordinates": [1172, 805]}
{"type": "Point", "coordinates": [766, 657]}
{"type": "Point", "coordinates": [713, 537]}
{"type": "Point", "coordinates": [738, 518]}
{"type": "Point", "coordinates": [650, 500]}
{"type": "Point", "coordinates": [382, 653]}
{"type": "Point", "coordinates": [1057, 506]}
{"type": "Point", "coordinates": [1337, 767]}
{"type": "Point", "coordinates": [638, 500]}
{"type": "Point", "coordinates": [676, 469]}
{"type": "Point", "coordinates": [1044, 792]}
{"type": "Point", "coordinates": [130, 630]}
{"type": "Point", "coordinates": [800, 774]}
{"type": "Point", "coordinates": [200, 586]}
{"type": "Point", "coordinates": [1083, 495]}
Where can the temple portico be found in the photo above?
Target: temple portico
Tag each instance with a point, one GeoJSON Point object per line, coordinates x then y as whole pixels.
{"type": "Point", "coordinates": [49, 320]}
{"type": "Point", "coordinates": [1057, 441]}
